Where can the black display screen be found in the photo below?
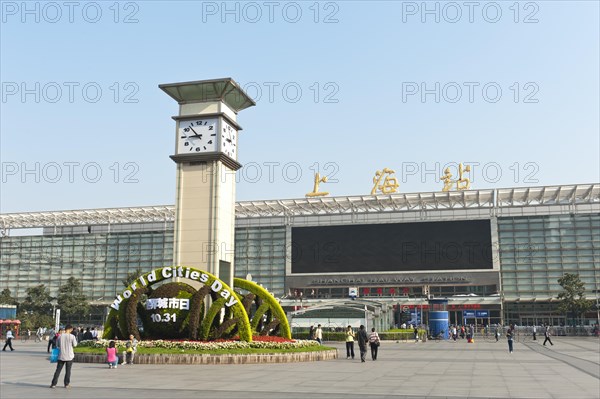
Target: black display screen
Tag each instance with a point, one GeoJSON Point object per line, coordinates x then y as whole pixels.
{"type": "Point", "coordinates": [392, 247]}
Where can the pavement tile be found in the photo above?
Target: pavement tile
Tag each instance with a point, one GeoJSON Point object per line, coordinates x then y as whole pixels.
{"type": "Point", "coordinates": [403, 370]}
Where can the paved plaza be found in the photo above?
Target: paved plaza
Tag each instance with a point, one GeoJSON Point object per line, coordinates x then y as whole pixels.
{"type": "Point", "coordinates": [485, 369]}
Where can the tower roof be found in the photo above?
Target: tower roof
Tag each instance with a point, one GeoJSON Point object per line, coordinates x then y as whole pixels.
{"type": "Point", "coordinates": [224, 89]}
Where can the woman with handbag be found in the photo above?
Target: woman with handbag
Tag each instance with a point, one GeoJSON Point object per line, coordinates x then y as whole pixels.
{"type": "Point", "coordinates": [374, 342]}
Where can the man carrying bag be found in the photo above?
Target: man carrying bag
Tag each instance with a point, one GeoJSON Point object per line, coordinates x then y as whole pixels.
{"type": "Point", "coordinates": [65, 343]}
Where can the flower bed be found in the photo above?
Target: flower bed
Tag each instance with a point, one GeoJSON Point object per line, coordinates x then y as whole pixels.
{"type": "Point", "coordinates": [260, 350]}
{"type": "Point", "coordinates": [258, 343]}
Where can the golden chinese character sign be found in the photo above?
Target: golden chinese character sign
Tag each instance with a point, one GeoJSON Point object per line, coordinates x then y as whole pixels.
{"type": "Point", "coordinates": [315, 192]}
{"type": "Point", "coordinates": [390, 184]}
{"type": "Point", "coordinates": [463, 183]}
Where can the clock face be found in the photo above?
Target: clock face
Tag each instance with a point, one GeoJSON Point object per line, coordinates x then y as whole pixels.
{"type": "Point", "coordinates": [228, 140]}
{"type": "Point", "coordinates": [197, 136]}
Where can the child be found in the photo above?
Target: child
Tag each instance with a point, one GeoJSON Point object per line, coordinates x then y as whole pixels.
{"type": "Point", "coordinates": [111, 355]}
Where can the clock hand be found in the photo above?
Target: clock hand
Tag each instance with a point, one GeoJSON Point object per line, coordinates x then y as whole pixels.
{"type": "Point", "coordinates": [195, 134]}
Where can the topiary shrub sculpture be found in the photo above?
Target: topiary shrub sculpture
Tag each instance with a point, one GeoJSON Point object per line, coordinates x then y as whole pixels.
{"type": "Point", "coordinates": [153, 307]}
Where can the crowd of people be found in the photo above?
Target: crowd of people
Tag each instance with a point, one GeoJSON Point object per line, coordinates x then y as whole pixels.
{"type": "Point", "coordinates": [455, 332]}
{"type": "Point", "coordinates": [67, 338]}
{"type": "Point", "coordinates": [372, 340]}
{"type": "Point", "coordinates": [463, 331]}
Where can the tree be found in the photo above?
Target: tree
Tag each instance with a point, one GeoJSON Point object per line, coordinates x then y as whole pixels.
{"type": "Point", "coordinates": [71, 299]}
{"type": "Point", "coordinates": [6, 297]}
{"type": "Point", "coordinates": [37, 300]}
{"type": "Point", "coordinates": [36, 310]}
{"type": "Point", "coordinates": [31, 321]}
{"type": "Point", "coordinates": [572, 299]}
{"type": "Point", "coordinates": [131, 277]}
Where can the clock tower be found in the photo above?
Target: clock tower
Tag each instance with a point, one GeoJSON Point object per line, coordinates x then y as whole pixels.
{"type": "Point", "coordinates": [206, 150]}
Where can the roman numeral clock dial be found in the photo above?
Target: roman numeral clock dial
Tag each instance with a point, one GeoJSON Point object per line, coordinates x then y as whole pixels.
{"type": "Point", "coordinates": [197, 136]}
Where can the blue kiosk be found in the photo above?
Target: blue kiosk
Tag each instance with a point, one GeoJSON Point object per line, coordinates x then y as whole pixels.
{"type": "Point", "coordinates": [438, 318]}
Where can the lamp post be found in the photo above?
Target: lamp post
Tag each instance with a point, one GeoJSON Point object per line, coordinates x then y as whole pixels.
{"type": "Point", "coordinates": [597, 306]}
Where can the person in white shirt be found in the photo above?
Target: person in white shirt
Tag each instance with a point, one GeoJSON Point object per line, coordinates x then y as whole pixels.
{"type": "Point", "coordinates": [319, 334]}
{"type": "Point", "coordinates": [9, 338]}
{"type": "Point", "coordinates": [40, 333]}
{"type": "Point", "coordinates": [374, 343]}
{"type": "Point", "coordinates": [66, 342]}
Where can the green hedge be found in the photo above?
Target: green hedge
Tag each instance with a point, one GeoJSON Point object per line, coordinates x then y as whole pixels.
{"type": "Point", "coordinates": [341, 336]}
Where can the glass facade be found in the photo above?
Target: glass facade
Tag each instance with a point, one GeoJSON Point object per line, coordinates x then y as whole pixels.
{"type": "Point", "coordinates": [260, 251]}
{"type": "Point", "coordinates": [536, 251]}
{"type": "Point", "coordinates": [100, 261]}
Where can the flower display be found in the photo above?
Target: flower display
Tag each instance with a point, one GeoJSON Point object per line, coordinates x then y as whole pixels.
{"type": "Point", "coordinates": [271, 342]}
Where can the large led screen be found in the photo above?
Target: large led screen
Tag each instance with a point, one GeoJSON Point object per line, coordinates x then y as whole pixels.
{"type": "Point", "coordinates": [392, 247]}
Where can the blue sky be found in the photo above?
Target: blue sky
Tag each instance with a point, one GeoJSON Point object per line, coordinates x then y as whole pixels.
{"type": "Point", "coordinates": [83, 123]}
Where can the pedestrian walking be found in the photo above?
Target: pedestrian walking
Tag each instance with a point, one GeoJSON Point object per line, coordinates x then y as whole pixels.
{"type": "Point", "coordinates": [374, 343]}
{"type": "Point", "coordinates": [534, 333]}
{"type": "Point", "coordinates": [547, 336]}
{"type": "Point", "coordinates": [9, 338]}
{"type": "Point", "coordinates": [51, 339]}
{"type": "Point", "coordinates": [362, 342]}
{"type": "Point", "coordinates": [470, 333]}
{"type": "Point", "coordinates": [319, 335]}
{"type": "Point", "coordinates": [509, 337]}
{"type": "Point", "coordinates": [39, 333]}
{"type": "Point", "coordinates": [349, 343]}
{"type": "Point", "coordinates": [111, 355]}
{"type": "Point", "coordinates": [416, 334]}
{"type": "Point", "coordinates": [66, 342]}
{"type": "Point", "coordinates": [497, 333]}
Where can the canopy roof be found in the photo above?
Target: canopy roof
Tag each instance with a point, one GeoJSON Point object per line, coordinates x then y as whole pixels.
{"type": "Point", "coordinates": [225, 90]}
{"type": "Point", "coordinates": [473, 199]}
